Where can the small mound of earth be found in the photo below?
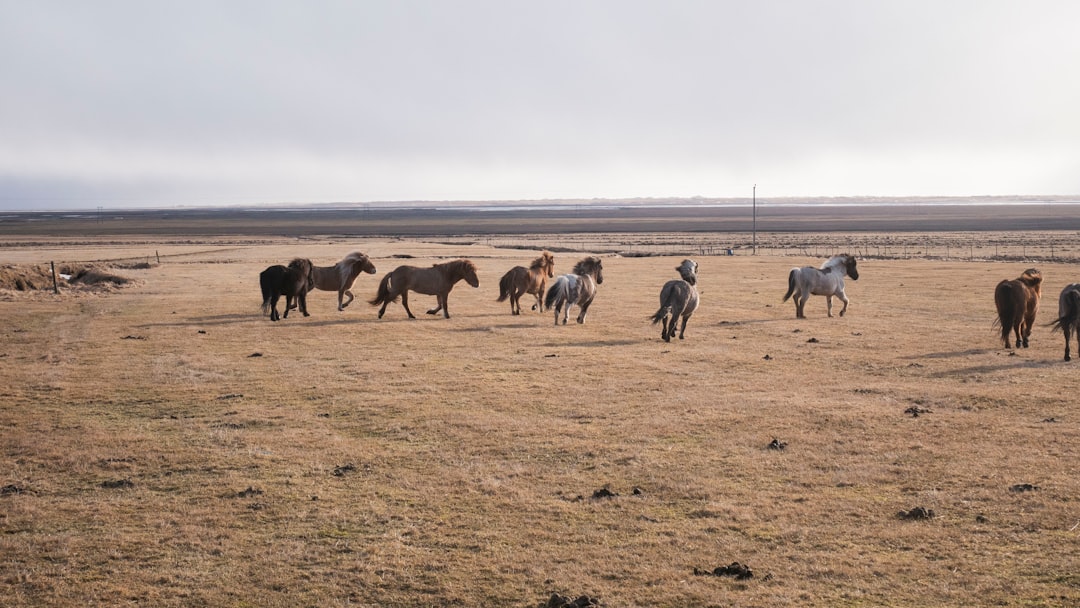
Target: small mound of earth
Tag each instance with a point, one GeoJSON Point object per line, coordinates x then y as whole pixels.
{"type": "Point", "coordinates": [561, 601]}
{"type": "Point", "coordinates": [739, 571]}
{"type": "Point", "coordinates": [917, 513]}
{"type": "Point", "coordinates": [38, 277]}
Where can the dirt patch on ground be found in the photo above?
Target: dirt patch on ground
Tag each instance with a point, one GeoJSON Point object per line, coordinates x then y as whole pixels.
{"type": "Point", "coordinates": [28, 278]}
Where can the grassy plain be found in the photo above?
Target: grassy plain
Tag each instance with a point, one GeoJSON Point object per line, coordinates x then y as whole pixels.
{"type": "Point", "coordinates": [165, 444]}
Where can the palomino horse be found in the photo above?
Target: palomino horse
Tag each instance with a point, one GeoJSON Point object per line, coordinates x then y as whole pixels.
{"type": "Point", "coordinates": [340, 276]}
{"type": "Point", "coordinates": [435, 281]}
{"type": "Point", "coordinates": [576, 288]}
{"type": "Point", "coordinates": [678, 298]}
{"type": "Point", "coordinates": [1068, 320]}
{"type": "Point", "coordinates": [519, 281]}
{"type": "Point", "coordinates": [1017, 302]}
{"type": "Point", "coordinates": [827, 281]}
{"type": "Point", "coordinates": [293, 281]}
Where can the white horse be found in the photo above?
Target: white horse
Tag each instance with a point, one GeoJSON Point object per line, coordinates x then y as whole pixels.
{"type": "Point", "coordinates": [827, 281]}
{"type": "Point", "coordinates": [678, 299]}
{"type": "Point", "coordinates": [576, 288]}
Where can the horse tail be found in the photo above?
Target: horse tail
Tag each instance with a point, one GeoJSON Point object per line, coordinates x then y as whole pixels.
{"type": "Point", "coordinates": [553, 293]}
{"type": "Point", "coordinates": [264, 285]}
{"type": "Point", "coordinates": [664, 311]}
{"type": "Point", "coordinates": [1071, 314]}
{"type": "Point", "coordinates": [504, 286]}
{"type": "Point", "coordinates": [790, 284]}
{"type": "Point", "coordinates": [383, 295]}
{"type": "Point", "coordinates": [1005, 301]}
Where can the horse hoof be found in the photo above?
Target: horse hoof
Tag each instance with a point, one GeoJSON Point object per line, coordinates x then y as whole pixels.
{"type": "Point", "coordinates": [1068, 358]}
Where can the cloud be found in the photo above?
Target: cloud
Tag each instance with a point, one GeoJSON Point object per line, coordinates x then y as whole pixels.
{"type": "Point", "coordinates": [275, 101]}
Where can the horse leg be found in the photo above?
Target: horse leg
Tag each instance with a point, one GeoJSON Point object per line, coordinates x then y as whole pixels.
{"type": "Point", "coordinates": [828, 304]}
{"type": "Point", "coordinates": [584, 311]}
{"type": "Point", "coordinates": [442, 299]}
{"type": "Point", "coordinates": [405, 303]}
{"type": "Point", "coordinates": [515, 302]}
{"type": "Point", "coordinates": [440, 302]}
{"type": "Point", "coordinates": [301, 299]}
{"type": "Point", "coordinates": [274, 316]}
{"type": "Point", "coordinates": [800, 303]}
{"type": "Point", "coordinates": [843, 298]}
{"type": "Point", "coordinates": [1067, 331]}
{"type": "Point", "coordinates": [682, 329]}
{"type": "Point", "coordinates": [343, 292]}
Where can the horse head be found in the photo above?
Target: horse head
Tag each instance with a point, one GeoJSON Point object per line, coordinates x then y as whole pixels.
{"type": "Point", "coordinates": [1033, 279]}
{"type": "Point", "coordinates": [549, 263]}
{"type": "Point", "coordinates": [469, 273]}
{"type": "Point", "coordinates": [362, 261]}
{"type": "Point", "coordinates": [304, 266]}
{"type": "Point", "coordinates": [849, 266]}
{"type": "Point", "coordinates": [591, 265]}
{"type": "Point", "coordinates": [688, 271]}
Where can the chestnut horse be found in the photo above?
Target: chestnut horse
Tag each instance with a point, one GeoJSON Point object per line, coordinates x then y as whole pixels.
{"type": "Point", "coordinates": [1068, 320]}
{"type": "Point", "coordinates": [578, 288]}
{"type": "Point", "coordinates": [340, 276]}
{"type": "Point", "coordinates": [678, 299]}
{"type": "Point", "coordinates": [519, 281]}
{"type": "Point", "coordinates": [1017, 302]}
{"type": "Point", "coordinates": [292, 281]}
{"type": "Point", "coordinates": [437, 281]}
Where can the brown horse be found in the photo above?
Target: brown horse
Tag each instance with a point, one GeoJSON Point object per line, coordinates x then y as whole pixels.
{"type": "Point", "coordinates": [519, 281]}
{"type": "Point", "coordinates": [292, 281]}
{"type": "Point", "coordinates": [437, 281]}
{"type": "Point", "coordinates": [340, 276]}
{"type": "Point", "coordinates": [1017, 302]}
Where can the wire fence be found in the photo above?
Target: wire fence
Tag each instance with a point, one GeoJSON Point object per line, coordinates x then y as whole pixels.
{"type": "Point", "coordinates": [1059, 246]}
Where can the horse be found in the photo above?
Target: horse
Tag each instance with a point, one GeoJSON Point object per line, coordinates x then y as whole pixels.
{"type": "Point", "coordinates": [1017, 301]}
{"type": "Point", "coordinates": [340, 276]}
{"type": "Point", "coordinates": [579, 288]}
{"type": "Point", "coordinates": [292, 281]}
{"type": "Point", "coordinates": [827, 281]}
{"type": "Point", "coordinates": [1068, 320]}
{"type": "Point", "coordinates": [519, 281]}
{"type": "Point", "coordinates": [678, 298]}
{"type": "Point", "coordinates": [437, 281]}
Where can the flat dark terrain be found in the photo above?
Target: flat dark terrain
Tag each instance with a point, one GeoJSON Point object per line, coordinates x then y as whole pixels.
{"type": "Point", "coordinates": [1056, 213]}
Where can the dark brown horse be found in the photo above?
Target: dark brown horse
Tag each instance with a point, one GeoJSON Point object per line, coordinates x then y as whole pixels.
{"type": "Point", "coordinates": [519, 281]}
{"type": "Point", "coordinates": [437, 281]}
{"type": "Point", "coordinates": [1017, 302]}
{"type": "Point", "coordinates": [292, 281]}
{"type": "Point", "coordinates": [340, 276]}
{"type": "Point", "coordinates": [1068, 320]}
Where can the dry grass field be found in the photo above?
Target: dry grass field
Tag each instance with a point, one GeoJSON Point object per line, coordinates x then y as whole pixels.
{"type": "Point", "coordinates": [164, 444]}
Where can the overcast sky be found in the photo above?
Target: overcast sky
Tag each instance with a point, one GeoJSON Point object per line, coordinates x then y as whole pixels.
{"type": "Point", "coordinates": [162, 103]}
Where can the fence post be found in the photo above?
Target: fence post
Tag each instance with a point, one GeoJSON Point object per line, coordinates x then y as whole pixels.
{"type": "Point", "coordinates": [52, 266]}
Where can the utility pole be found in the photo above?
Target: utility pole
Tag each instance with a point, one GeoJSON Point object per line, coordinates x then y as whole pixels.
{"type": "Point", "coordinates": [755, 219]}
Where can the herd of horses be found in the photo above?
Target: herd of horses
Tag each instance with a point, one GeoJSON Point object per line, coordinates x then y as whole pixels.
{"type": "Point", "coordinates": [1016, 300]}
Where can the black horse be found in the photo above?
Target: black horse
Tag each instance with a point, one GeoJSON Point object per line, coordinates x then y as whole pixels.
{"type": "Point", "coordinates": [292, 281]}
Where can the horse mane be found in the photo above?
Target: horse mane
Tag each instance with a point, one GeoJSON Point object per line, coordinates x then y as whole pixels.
{"type": "Point", "coordinates": [541, 262]}
{"type": "Point", "coordinates": [301, 264]}
{"type": "Point", "coordinates": [456, 266]}
{"type": "Point", "coordinates": [587, 266]}
{"type": "Point", "coordinates": [346, 267]}
{"type": "Point", "coordinates": [842, 259]}
{"type": "Point", "coordinates": [1032, 278]}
